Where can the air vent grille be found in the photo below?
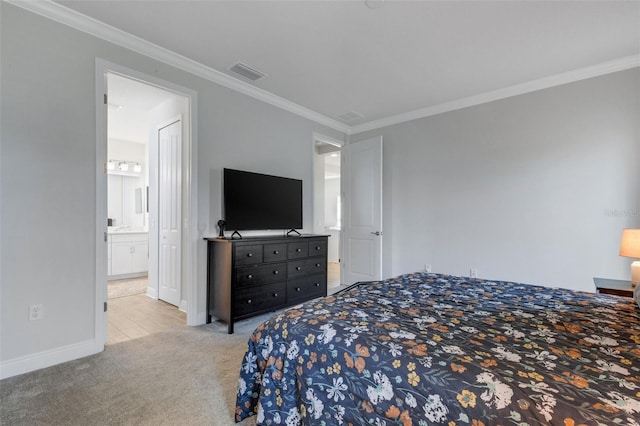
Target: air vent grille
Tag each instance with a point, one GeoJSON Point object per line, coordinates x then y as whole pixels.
{"type": "Point", "coordinates": [349, 116]}
{"type": "Point", "coordinates": [246, 71]}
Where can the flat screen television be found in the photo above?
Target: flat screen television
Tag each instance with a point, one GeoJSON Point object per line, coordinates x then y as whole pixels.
{"type": "Point", "coordinates": [255, 201]}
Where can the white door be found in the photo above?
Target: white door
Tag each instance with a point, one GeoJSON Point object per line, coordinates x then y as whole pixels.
{"type": "Point", "coordinates": [169, 211]}
{"type": "Point", "coordinates": [362, 218]}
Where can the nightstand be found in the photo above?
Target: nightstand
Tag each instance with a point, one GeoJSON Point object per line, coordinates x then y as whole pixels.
{"type": "Point", "coordinates": [617, 287]}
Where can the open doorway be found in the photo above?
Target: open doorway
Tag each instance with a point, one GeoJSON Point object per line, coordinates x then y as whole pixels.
{"type": "Point", "coordinates": [327, 196]}
{"type": "Point", "coordinates": [143, 288]}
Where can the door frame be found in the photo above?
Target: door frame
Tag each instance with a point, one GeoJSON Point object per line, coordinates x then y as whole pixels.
{"type": "Point", "coordinates": [190, 187]}
{"type": "Point", "coordinates": [318, 184]}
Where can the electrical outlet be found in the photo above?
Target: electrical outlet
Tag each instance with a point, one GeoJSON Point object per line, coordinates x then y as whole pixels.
{"type": "Point", "coordinates": [35, 312]}
{"type": "Point", "coordinates": [427, 267]}
{"type": "Point", "coordinates": [473, 273]}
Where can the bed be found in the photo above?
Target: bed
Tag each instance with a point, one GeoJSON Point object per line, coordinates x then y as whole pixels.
{"type": "Point", "coordinates": [427, 349]}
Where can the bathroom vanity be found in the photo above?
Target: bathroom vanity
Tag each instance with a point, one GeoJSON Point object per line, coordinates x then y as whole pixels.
{"type": "Point", "coordinates": [128, 254]}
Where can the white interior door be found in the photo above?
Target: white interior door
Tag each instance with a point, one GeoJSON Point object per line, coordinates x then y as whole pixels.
{"type": "Point", "coordinates": [170, 211]}
{"type": "Point", "coordinates": [362, 204]}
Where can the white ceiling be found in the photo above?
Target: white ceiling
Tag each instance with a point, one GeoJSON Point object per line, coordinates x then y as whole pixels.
{"type": "Point", "coordinates": [129, 105]}
{"type": "Point", "coordinates": [334, 57]}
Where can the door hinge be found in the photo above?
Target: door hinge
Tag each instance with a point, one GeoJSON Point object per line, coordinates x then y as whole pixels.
{"type": "Point", "coordinates": [105, 237]}
{"type": "Point", "coordinates": [105, 98]}
{"type": "Point", "coordinates": [105, 306]}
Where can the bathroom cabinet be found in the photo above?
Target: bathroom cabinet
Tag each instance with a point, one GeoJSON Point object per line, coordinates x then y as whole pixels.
{"type": "Point", "coordinates": [128, 254]}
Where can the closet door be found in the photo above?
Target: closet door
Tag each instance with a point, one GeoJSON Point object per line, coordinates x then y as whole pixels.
{"type": "Point", "coordinates": [170, 212]}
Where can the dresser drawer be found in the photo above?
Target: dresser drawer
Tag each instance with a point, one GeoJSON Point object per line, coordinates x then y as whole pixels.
{"type": "Point", "coordinates": [298, 249]}
{"type": "Point", "coordinates": [317, 248]}
{"type": "Point", "coordinates": [306, 288]}
{"type": "Point", "coordinates": [252, 275]}
{"type": "Point", "coordinates": [300, 268]}
{"type": "Point", "coordinates": [253, 299]}
{"type": "Point", "coordinates": [249, 254]}
{"type": "Point", "coordinates": [274, 252]}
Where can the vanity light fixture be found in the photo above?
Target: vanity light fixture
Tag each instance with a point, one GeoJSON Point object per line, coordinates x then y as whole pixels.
{"type": "Point", "coordinates": [124, 167]}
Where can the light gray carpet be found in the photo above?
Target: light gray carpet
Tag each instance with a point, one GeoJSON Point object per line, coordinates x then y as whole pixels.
{"type": "Point", "coordinates": [185, 376]}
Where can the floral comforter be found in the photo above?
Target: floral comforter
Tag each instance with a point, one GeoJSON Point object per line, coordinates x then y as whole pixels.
{"type": "Point", "coordinates": [429, 349]}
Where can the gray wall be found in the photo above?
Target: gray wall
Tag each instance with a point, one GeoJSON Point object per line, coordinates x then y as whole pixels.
{"type": "Point", "coordinates": [535, 188]}
{"type": "Point", "coordinates": [48, 168]}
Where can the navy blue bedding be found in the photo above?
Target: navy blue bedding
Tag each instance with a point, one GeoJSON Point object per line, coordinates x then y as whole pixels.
{"type": "Point", "coordinates": [428, 349]}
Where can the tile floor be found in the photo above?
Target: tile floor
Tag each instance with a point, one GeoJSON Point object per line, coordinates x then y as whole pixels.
{"type": "Point", "coordinates": [333, 274]}
{"type": "Point", "coordinates": [131, 317]}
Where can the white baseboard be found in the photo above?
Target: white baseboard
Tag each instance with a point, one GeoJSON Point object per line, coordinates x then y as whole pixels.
{"type": "Point", "coordinates": [25, 364]}
{"type": "Point", "coordinates": [152, 293]}
{"type": "Point", "coordinates": [127, 276]}
{"type": "Point", "coordinates": [201, 318]}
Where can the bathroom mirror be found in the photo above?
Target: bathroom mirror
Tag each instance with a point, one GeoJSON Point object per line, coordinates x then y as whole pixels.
{"type": "Point", "coordinates": [126, 201]}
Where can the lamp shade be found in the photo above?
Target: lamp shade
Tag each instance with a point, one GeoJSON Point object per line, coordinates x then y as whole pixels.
{"type": "Point", "coordinates": [630, 243]}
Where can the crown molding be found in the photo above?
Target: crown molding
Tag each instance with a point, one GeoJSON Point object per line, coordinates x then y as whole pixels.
{"type": "Point", "coordinates": [620, 64]}
{"type": "Point", "coordinates": [71, 18]}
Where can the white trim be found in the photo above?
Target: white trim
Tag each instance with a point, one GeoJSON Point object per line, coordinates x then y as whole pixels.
{"type": "Point", "coordinates": [327, 139]}
{"type": "Point", "coordinates": [193, 235]}
{"type": "Point", "coordinates": [620, 64]}
{"type": "Point", "coordinates": [100, 324]}
{"type": "Point", "coordinates": [127, 276]}
{"type": "Point", "coordinates": [318, 184]}
{"type": "Point", "coordinates": [69, 17]}
{"type": "Point", "coordinates": [99, 29]}
{"type": "Point", "coordinates": [152, 292]}
{"type": "Point", "coordinates": [32, 362]}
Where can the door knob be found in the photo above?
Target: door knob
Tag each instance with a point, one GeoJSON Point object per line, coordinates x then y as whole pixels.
{"type": "Point", "coordinates": [378, 233]}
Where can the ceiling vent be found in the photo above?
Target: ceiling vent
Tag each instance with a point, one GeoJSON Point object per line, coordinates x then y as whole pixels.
{"type": "Point", "coordinates": [349, 116]}
{"type": "Point", "coordinates": [246, 71]}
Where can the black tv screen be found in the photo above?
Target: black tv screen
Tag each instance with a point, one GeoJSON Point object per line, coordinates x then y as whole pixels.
{"type": "Point", "coordinates": [257, 201]}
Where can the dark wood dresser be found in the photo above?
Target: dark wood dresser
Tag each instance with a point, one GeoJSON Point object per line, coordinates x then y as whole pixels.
{"type": "Point", "coordinates": [254, 275]}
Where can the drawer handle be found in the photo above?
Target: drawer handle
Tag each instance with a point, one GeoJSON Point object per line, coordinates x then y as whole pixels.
{"type": "Point", "coordinates": [298, 268]}
{"type": "Point", "coordinates": [275, 294]}
{"type": "Point", "coordinates": [297, 288]}
{"type": "Point", "coordinates": [276, 272]}
{"type": "Point", "coordinates": [249, 254]}
{"type": "Point", "coordinates": [317, 248]}
{"type": "Point", "coordinates": [317, 284]}
{"type": "Point", "coordinates": [249, 301]}
{"type": "Point", "coordinates": [298, 250]}
{"type": "Point", "coordinates": [249, 276]}
{"type": "Point", "coordinates": [276, 252]}
{"type": "Point", "coordinates": [317, 265]}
